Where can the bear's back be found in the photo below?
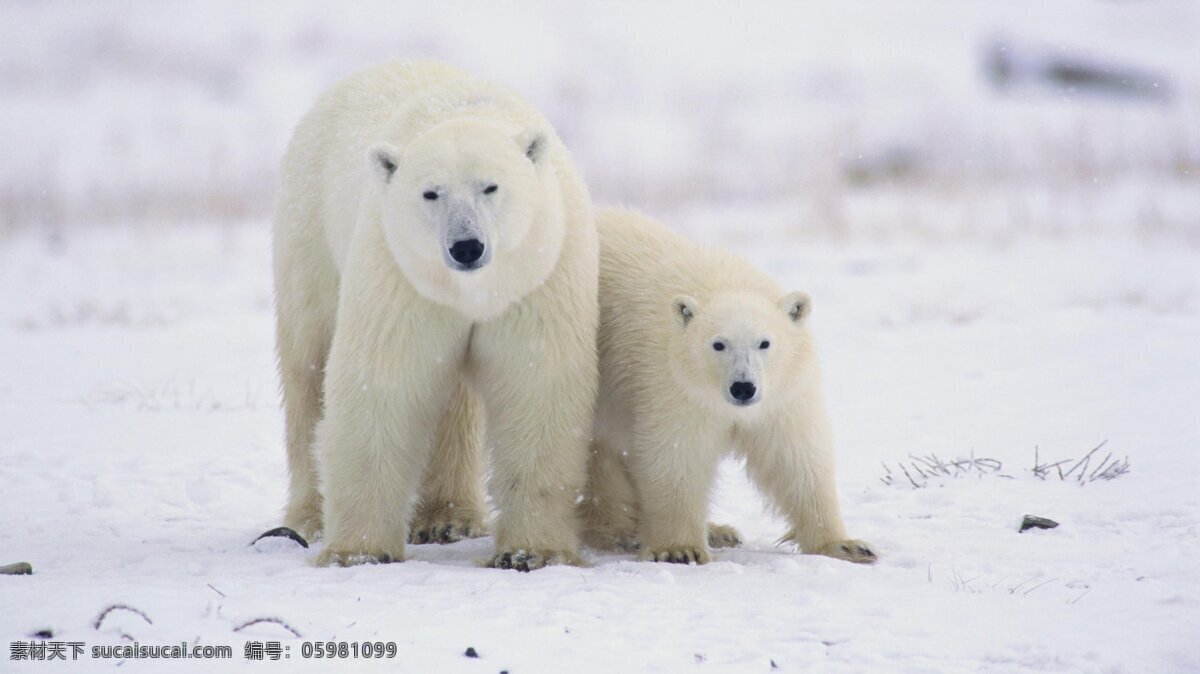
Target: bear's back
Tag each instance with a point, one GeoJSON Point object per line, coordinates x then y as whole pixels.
{"type": "Point", "coordinates": [644, 264]}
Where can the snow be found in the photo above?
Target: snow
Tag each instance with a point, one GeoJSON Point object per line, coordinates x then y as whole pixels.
{"type": "Point", "coordinates": [142, 453]}
{"type": "Point", "coordinates": [1030, 283]}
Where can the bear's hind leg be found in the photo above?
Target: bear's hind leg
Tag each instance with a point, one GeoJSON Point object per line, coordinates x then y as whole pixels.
{"type": "Point", "coordinates": [452, 497]}
{"type": "Point", "coordinates": [305, 309]}
{"type": "Point", "coordinates": [302, 410]}
{"type": "Point", "coordinates": [609, 506]}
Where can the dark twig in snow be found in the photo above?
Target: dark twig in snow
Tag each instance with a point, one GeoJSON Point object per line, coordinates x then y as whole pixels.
{"type": "Point", "coordinates": [120, 607]}
{"type": "Point", "coordinates": [276, 621]}
{"type": "Point", "coordinates": [1041, 470]}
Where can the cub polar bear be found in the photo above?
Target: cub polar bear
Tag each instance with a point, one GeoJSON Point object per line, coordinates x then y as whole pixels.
{"type": "Point", "coordinates": [434, 248]}
{"type": "Point", "coordinates": [701, 353]}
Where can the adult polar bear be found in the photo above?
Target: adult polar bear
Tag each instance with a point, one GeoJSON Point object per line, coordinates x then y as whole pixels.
{"type": "Point", "coordinates": [434, 248]}
{"type": "Point", "coordinates": [701, 353]}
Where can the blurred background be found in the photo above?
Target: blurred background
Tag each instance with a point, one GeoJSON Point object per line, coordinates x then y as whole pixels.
{"type": "Point", "coordinates": [913, 121]}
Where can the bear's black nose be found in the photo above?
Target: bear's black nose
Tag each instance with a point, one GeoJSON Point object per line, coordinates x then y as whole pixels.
{"type": "Point", "coordinates": [742, 391]}
{"type": "Point", "coordinates": [467, 251]}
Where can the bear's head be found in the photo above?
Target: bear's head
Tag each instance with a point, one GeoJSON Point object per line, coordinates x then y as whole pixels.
{"type": "Point", "coordinates": [471, 210]}
{"type": "Point", "coordinates": [739, 349]}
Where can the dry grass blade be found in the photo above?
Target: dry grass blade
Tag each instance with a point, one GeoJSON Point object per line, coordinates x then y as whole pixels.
{"type": "Point", "coordinates": [1081, 595]}
{"type": "Point", "coordinates": [1092, 475]}
{"type": "Point", "coordinates": [1013, 589]}
{"type": "Point", "coordinates": [1106, 469]}
{"type": "Point", "coordinates": [1115, 469]}
{"type": "Point", "coordinates": [920, 469]}
{"type": "Point", "coordinates": [1045, 582]}
{"type": "Point", "coordinates": [1085, 459]}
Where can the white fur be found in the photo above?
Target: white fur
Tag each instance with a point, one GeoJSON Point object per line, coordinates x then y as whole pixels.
{"type": "Point", "coordinates": [665, 415]}
{"type": "Point", "coordinates": [392, 350]}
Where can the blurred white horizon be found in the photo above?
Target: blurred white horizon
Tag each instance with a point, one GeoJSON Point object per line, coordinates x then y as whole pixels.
{"type": "Point", "coordinates": [868, 120]}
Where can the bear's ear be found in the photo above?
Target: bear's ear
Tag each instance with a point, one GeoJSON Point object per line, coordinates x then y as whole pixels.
{"type": "Point", "coordinates": [382, 161]}
{"type": "Point", "coordinates": [798, 306]}
{"type": "Point", "coordinates": [533, 143]}
{"type": "Point", "coordinates": [684, 309]}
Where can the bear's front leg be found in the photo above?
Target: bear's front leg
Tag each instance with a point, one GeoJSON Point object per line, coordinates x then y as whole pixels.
{"type": "Point", "coordinates": [394, 363]}
{"type": "Point", "coordinates": [673, 462]}
{"type": "Point", "coordinates": [791, 460]}
{"type": "Point", "coordinates": [537, 376]}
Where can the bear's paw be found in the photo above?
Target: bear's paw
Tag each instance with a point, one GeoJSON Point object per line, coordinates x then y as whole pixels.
{"type": "Point", "coordinates": [723, 536]}
{"type": "Point", "coordinates": [306, 521]}
{"type": "Point", "coordinates": [446, 524]}
{"type": "Point", "coordinates": [331, 556]}
{"type": "Point", "coordinates": [531, 560]}
{"type": "Point", "coordinates": [850, 550]}
{"type": "Point", "coordinates": [678, 554]}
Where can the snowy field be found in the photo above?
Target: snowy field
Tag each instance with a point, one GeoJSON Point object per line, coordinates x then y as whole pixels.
{"type": "Point", "coordinates": [995, 274]}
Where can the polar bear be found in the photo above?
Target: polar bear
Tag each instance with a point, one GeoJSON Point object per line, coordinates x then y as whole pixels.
{"type": "Point", "coordinates": [436, 263]}
{"type": "Point", "coordinates": [700, 354]}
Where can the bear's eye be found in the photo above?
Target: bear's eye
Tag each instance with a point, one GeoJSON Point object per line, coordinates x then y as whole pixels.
{"type": "Point", "coordinates": [430, 195]}
{"type": "Point", "coordinates": [490, 188]}
{"type": "Point", "coordinates": [765, 344]}
{"type": "Point", "coordinates": [718, 346]}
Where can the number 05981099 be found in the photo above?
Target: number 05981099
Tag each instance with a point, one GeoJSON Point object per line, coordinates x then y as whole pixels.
{"type": "Point", "coordinates": [348, 649]}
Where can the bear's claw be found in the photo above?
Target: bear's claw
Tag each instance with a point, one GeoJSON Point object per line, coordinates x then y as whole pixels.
{"type": "Point", "coordinates": [445, 524]}
{"type": "Point", "coordinates": [451, 532]}
{"type": "Point", "coordinates": [679, 555]}
{"type": "Point", "coordinates": [531, 560]}
{"type": "Point", "coordinates": [330, 557]}
{"type": "Point", "coordinates": [723, 536]}
{"type": "Point", "coordinates": [858, 552]}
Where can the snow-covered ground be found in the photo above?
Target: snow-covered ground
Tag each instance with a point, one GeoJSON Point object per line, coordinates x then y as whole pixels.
{"type": "Point", "coordinates": [140, 452]}
{"type": "Point", "coordinates": [994, 274]}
